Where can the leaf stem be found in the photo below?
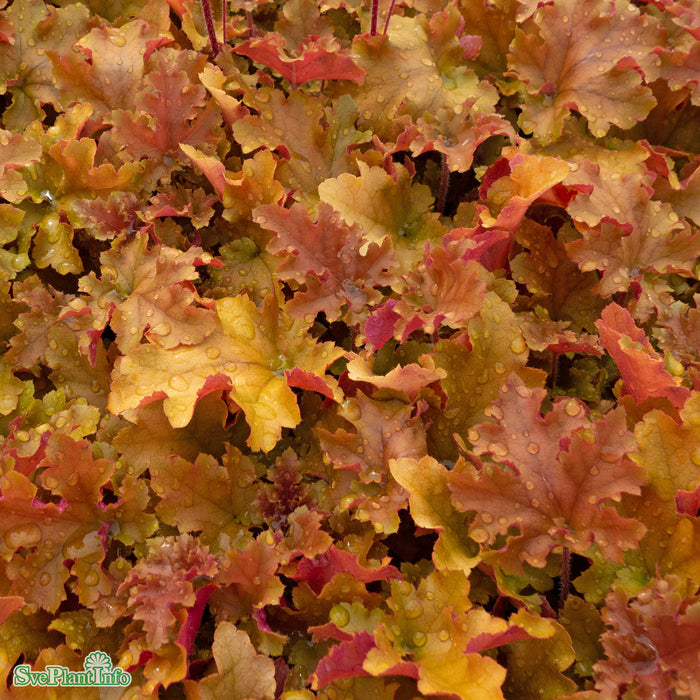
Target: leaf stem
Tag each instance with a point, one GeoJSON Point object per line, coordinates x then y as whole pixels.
{"type": "Point", "coordinates": [224, 11]}
{"type": "Point", "coordinates": [251, 26]}
{"type": "Point", "coordinates": [373, 22]}
{"type": "Point", "coordinates": [444, 185]}
{"type": "Point", "coordinates": [565, 579]}
{"type": "Point", "coordinates": [555, 367]}
{"type": "Point", "coordinates": [388, 17]}
{"type": "Point", "coordinates": [209, 19]}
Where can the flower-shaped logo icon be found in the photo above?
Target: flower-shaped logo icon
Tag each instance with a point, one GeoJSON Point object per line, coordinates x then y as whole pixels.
{"type": "Point", "coordinates": [97, 659]}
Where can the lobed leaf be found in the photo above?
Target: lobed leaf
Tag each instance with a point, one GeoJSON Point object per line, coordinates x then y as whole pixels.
{"type": "Point", "coordinates": [558, 483]}
{"type": "Point", "coordinates": [245, 356]}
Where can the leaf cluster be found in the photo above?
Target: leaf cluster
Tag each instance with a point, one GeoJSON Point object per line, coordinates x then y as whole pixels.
{"type": "Point", "coordinates": [355, 353]}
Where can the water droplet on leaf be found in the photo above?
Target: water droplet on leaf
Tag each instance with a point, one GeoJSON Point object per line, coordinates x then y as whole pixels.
{"type": "Point", "coordinates": [518, 345]}
{"type": "Point", "coordinates": [413, 609]}
{"type": "Point", "coordinates": [533, 448]}
{"type": "Point", "coordinates": [572, 407]}
{"type": "Point", "coordinates": [339, 616]}
{"type": "Point", "coordinates": [22, 536]}
{"type": "Point", "coordinates": [500, 449]}
{"type": "Point", "coordinates": [419, 639]}
{"type": "Point", "coordinates": [478, 534]}
{"type": "Point", "coordinates": [178, 383]}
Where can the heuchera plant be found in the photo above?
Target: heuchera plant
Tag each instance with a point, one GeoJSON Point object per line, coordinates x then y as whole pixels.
{"type": "Point", "coordinates": [352, 350]}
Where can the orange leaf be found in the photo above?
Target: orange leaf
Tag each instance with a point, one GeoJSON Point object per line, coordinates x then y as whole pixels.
{"type": "Point", "coordinates": [640, 365]}
{"type": "Point", "coordinates": [37, 538]}
{"type": "Point", "coordinates": [652, 648]}
{"type": "Point", "coordinates": [319, 59]}
{"type": "Point", "coordinates": [558, 484]}
{"type": "Point", "coordinates": [340, 269]}
{"type": "Point", "coordinates": [625, 231]}
{"type": "Point", "coordinates": [26, 68]}
{"type": "Point", "coordinates": [570, 56]}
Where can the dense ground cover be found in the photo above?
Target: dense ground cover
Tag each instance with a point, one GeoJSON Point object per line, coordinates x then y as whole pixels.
{"type": "Point", "coordinates": [351, 351]}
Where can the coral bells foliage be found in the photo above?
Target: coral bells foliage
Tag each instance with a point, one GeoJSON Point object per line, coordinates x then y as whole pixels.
{"type": "Point", "coordinates": [351, 349]}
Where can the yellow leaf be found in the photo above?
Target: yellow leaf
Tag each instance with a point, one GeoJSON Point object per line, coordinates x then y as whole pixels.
{"type": "Point", "coordinates": [430, 499]}
{"type": "Point", "coordinates": [670, 451]}
{"type": "Point", "coordinates": [242, 673]}
{"type": "Point", "coordinates": [252, 354]}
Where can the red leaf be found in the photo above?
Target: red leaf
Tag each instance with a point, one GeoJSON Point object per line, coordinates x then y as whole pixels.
{"type": "Point", "coordinates": [379, 327]}
{"type": "Point", "coordinates": [249, 579]}
{"type": "Point", "coordinates": [190, 626]}
{"type": "Point", "coordinates": [317, 572]}
{"type": "Point", "coordinates": [319, 60]}
{"type": "Point", "coordinates": [640, 365]}
{"type": "Point", "coordinates": [344, 660]}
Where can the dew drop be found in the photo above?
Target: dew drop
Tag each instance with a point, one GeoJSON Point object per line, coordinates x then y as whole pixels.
{"type": "Point", "coordinates": [500, 449]}
{"type": "Point", "coordinates": [609, 455]}
{"type": "Point", "coordinates": [339, 616]}
{"type": "Point", "coordinates": [22, 536]}
{"type": "Point", "coordinates": [245, 328]}
{"type": "Point", "coordinates": [419, 639]}
{"type": "Point", "coordinates": [478, 534]}
{"type": "Point", "coordinates": [213, 352]}
{"type": "Point", "coordinates": [118, 39]}
{"type": "Point", "coordinates": [404, 587]}
{"type": "Point", "coordinates": [523, 392]}
{"type": "Point", "coordinates": [473, 435]}
{"type": "Point", "coordinates": [352, 410]}
{"type": "Point", "coordinates": [494, 411]}
{"type": "Point", "coordinates": [533, 448]}
{"type": "Point", "coordinates": [178, 383]}
{"type": "Point", "coordinates": [487, 517]}
{"type": "Point", "coordinates": [529, 485]}
{"type": "Point", "coordinates": [551, 258]}
{"type": "Point", "coordinates": [443, 635]}
{"type": "Point", "coordinates": [413, 609]}
{"type": "Point", "coordinates": [92, 578]}
{"type": "Point", "coordinates": [45, 578]}
{"type": "Point", "coordinates": [161, 329]}
{"type": "Point", "coordinates": [518, 345]}
{"type": "Point", "coordinates": [572, 407]}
